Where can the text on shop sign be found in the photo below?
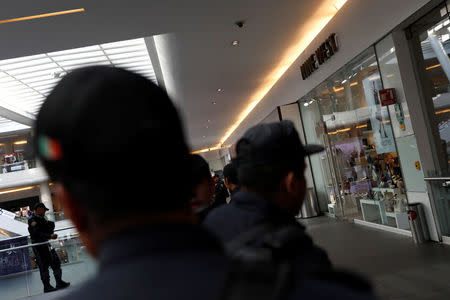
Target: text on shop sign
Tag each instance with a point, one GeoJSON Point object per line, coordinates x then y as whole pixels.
{"type": "Point", "coordinates": [321, 55]}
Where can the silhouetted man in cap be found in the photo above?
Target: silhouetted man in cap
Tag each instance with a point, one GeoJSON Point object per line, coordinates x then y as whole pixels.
{"type": "Point", "coordinates": [104, 113]}
{"type": "Point", "coordinates": [270, 160]}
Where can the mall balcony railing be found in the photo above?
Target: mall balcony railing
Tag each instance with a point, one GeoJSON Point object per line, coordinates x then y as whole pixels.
{"type": "Point", "coordinates": [18, 166]}
{"type": "Point", "coordinates": [53, 216]}
{"type": "Point", "coordinates": [19, 273]}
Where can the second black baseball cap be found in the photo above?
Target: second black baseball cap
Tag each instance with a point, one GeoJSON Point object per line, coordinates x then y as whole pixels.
{"type": "Point", "coordinates": [272, 143]}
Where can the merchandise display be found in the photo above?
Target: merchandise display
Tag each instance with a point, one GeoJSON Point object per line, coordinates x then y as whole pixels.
{"type": "Point", "coordinates": [361, 167]}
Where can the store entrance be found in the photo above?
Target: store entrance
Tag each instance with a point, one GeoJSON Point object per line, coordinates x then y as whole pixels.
{"type": "Point", "coordinates": [360, 166]}
{"type": "Point", "coordinates": [430, 41]}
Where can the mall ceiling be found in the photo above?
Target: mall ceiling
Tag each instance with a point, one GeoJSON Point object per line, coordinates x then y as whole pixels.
{"type": "Point", "coordinates": [195, 46]}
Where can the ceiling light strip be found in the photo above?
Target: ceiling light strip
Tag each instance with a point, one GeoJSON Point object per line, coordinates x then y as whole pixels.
{"type": "Point", "coordinates": [289, 58]}
{"type": "Point", "coordinates": [17, 190]}
{"type": "Point", "coordinates": [58, 13]}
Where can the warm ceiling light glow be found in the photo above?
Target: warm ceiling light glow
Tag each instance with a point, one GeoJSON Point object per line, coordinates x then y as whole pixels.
{"type": "Point", "coordinates": [235, 43]}
{"type": "Point", "coordinates": [305, 35]}
{"type": "Point", "coordinates": [335, 89]}
{"type": "Point", "coordinates": [205, 150]}
{"type": "Point", "coordinates": [353, 83]}
{"type": "Point", "coordinates": [58, 13]}
{"type": "Point", "coordinates": [17, 190]}
{"type": "Point", "coordinates": [432, 67]}
{"type": "Point", "coordinates": [442, 111]}
{"type": "Point", "coordinates": [210, 149]}
{"type": "Point", "coordinates": [20, 142]}
{"type": "Point", "coordinates": [361, 126]}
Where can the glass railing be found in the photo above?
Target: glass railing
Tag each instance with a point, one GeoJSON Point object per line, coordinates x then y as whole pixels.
{"type": "Point", "coordinates": [19, 274]}
{"type": "Point", "coordinates": [51, 216]}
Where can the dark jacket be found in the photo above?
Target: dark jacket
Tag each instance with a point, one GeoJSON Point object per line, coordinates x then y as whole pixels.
{"type": "Point", "coordinates": [168, 262]}
{"type": "Point", "coordinates": [248, 210]}
{"type": "Point", "coordinates": [178, 261]}
{"type": "Point", "coordinates": [40, 229]}
{"type": "Point", "coordinates": [221, 194]}
{"type": "Point", "coordinates": [233, 192]}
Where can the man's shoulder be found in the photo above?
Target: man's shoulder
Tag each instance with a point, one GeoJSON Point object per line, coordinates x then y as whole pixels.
{"type": "Point", "coordinates": [221, 212]}
{"type": "Point", "coordinates": [163, 276]}
{"type": "Point", "coordinates": [33, 221]}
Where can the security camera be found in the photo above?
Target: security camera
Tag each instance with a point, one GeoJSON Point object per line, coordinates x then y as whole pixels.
{"type": "Point", "coordinates": [240, 24]}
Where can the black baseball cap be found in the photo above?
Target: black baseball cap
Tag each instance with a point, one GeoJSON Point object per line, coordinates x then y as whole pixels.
{"type": "Point", "coordinates": [40, 205]}
{"type": "Point", "coordinates": [101, 122]}
{"type": "Point", "coordinates": [272, 143]}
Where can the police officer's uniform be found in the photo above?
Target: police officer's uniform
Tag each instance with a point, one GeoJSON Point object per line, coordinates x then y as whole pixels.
{"type": "Point", "coordinates": [40, 231]}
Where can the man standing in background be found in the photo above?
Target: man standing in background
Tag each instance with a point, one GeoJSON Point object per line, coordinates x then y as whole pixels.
{"type": "Point", "coordinates": [41, 231]}
{"type": "Point", "coordinates": [231, 179]}
{"type": "Point", "coordinates": [221, 192]}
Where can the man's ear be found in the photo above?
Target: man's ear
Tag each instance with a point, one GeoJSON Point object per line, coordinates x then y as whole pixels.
{"type": "Point", "coordinates": [291, 182]}
{"type": "Point", "coordinates": [79, 217]}
{"type": "Point", "coordinates": [70, 207]}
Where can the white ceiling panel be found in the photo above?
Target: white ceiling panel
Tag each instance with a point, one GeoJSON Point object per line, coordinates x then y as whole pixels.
{"type": "Point", "coordinates": [8, 125]}
{"type": "Point", "coordinates": [26, 81]}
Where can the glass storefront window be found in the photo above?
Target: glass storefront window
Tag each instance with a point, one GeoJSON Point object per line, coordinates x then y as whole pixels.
{"type": "Point", "coordinates": [361, 170]}
{"type": "Point", "coordinates": [431, 41]}
{"type": "Point", "coordinates": [435, 45]}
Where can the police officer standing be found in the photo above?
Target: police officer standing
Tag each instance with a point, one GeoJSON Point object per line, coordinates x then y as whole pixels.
{"type": "Point", "coordinates": [41, 231]}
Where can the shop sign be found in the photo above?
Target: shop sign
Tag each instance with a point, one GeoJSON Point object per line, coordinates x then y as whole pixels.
{"type": "Point", "coordinates": [322, 54]}
{"type": "Point", "coordinates": [379, 119]}
{"type": "Point", "coordinates": [387, 97]}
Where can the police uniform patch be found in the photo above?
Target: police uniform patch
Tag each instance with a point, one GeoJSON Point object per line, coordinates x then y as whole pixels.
{"type": "Point", "coordinates": [33, 223]}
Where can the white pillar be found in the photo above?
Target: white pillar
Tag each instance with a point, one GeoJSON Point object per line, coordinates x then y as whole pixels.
{"type": "Point", "coordinates": [46, 198]}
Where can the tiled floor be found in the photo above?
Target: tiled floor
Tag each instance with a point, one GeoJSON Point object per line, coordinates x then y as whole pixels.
{"type": "Point", "coordinates": [397, 267]}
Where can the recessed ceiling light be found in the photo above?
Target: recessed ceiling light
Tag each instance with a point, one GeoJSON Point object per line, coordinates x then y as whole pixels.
{"type": "Point", "coordinates": [204, 136]}
{"type": "Point", "coordinates": [214, 102]}
{"type": "Point", "coordinates": [209, 121]}
{"type": "Point", "coordinates": [235, 43]}
{"type": "Point", "coordinates": [219, 90]}
{"type": "Point", "coordinates": [313, 26]}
